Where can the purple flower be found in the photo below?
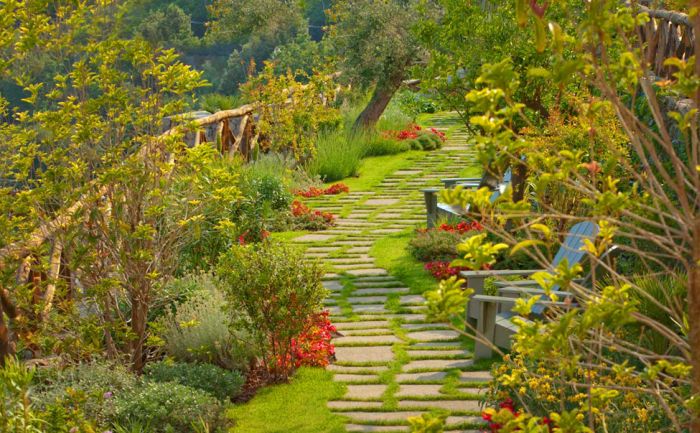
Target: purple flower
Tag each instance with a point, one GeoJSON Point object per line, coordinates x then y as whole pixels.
{"type": "Point", "coordinates": [73, 430]}
{"type": "Point", "coordinates": [107, 395]}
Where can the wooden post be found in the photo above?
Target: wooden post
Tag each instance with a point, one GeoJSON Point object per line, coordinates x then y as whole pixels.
{"type": "Point", "coordinates": [431, 201]}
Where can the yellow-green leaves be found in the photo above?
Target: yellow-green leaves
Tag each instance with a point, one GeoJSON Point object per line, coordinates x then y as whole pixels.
{"type": "Point", "coordinates": [448, 300]}
{"type": "Point", "coordinates": [521, 9]}
{"type": "Point", "coordinates": [427, 423]}
{"type": "Point", "coordinates": [540, 35]}
{"type": "Point", "coordinates": [477, 252]}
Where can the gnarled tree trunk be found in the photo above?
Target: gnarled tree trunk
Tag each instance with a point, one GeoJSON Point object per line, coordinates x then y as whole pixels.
{"type": "Point", "coordinates": [381, 97]}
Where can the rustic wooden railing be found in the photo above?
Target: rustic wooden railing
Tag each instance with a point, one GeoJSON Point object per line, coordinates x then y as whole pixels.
{"type": "Point", "coordinates": [667, 34]}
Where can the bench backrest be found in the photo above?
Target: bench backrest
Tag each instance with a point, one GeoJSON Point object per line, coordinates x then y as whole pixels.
{"type": "Point", "coordinates": [571, 248]}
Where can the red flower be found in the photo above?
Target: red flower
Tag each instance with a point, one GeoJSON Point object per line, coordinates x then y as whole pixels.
{"type": "Point", "coordinates": [313, 191]}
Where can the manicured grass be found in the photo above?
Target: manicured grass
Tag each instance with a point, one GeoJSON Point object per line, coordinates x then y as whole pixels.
{"type": "Point", "coordinates": [374, 169]}
{"type": "Point", "coordinates": [299, 406]}
{"type": "Point", "coordinates": [391, 253]}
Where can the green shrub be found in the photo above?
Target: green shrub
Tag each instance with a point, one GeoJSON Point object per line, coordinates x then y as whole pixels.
{"type": "Point", "coordinates": [378, 146]}
{"type": "Point", "coordinates": [90, 385]}
{"type": "Point", "coordinates": [278, 290]}
{"type": "Point", "coordinates": [429, 141]}
{"type": "Point", "coordinates": [222, 384]}
{"type": "Point", "coordinates": [435, 245]}
{"type": "Point", "coordinates": [200, 331]}
{"type": "Point", "coordinates": [167, 407]}
{"type": "Point", "coordinates": [213, 102]}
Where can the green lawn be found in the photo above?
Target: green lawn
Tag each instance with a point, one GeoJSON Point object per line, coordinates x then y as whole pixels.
{"type": "Point", "coordinates": [391, 253]}
{"type": "Point", "coordinates": [375, 168]}
{"type": "Point", "coordinates": [299, 406]}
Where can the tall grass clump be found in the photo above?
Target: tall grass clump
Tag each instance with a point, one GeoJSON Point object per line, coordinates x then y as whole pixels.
{"type": "Point", "coordinates": [338, 156]}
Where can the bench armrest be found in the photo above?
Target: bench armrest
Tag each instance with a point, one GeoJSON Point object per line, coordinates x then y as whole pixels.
{"type": "Point", "coordinates": [475, 279]}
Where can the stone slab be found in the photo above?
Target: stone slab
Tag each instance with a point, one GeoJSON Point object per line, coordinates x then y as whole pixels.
{"type": "Point", "coordinates": [436, 364]}
{"type": "Point", "coordinates": [454, 405]}
{"type": "Point", "coordinates": [437, 354]}
{"type": "Point", "coordinates": [365, 392]}
{"type": "Point", "coordinates": [367, 272]}
{"type": "Point", "coordinates": [366, 299]}
{"type": "Point", "coordinates": [361, 325]}
{"type": "Point", "coordinates": [347, 369]}
{"type": "Point", "coordinates": [366, 339]}
{"type": "Point", "coordinates": [412, 299]}
{"type": "Point", "coordinates": [314, 237]}
{"type": "Point", "coordinates": [381, 416]}
{"type": "Point", "coordinates": [434, 335]}
{"type": "Point", "coordinates": [368, 308]}
{"type": "Point", "coordinates": [364, 354]}
{"type": "Point", "coordinates": [476, 376]}
{"type": "Point", "coordinates": [433, 376]}
{"type": "Point", "coordinates": [418, 391]}
{"type": "Point", "coordinates": [350, 378]}
{"type": "Point", "coordinates": [380, 202]}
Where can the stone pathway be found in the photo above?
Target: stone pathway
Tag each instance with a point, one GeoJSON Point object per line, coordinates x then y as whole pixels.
{"type": "Point", "coordinates": [394, 363]}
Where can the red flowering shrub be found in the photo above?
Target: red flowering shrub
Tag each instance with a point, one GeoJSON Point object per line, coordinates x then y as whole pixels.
{"type": "Point", "coordinates": [249, 237]}
{"type": "Point", "coordinates": [307, 219]}
{"type": "Point", "coordinates": [505, 413]}
{"type": "Point", "coordinates": [461, 227]}
{"type": "Point", "coordinates": [336, 188]}
{"type": "Point", "coordinates": [440, 243]}
{"type": "Point", "coordinates": [442, 270]}
{"type": "Point", "coordinates": [313, 347]}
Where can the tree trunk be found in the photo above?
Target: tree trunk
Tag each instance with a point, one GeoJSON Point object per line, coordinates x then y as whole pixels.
{"type": "Point", "coordinates": [380, 99]}
{"type": "Point", "coordinates": [139, 314]}
{"type": "Point", "coordinates": [6, 308]}
{"type": "Point", "coordinates": [694, 317]}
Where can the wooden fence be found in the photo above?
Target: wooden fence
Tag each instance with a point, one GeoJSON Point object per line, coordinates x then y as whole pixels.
{"type": "Point", "coordinates": [667, 34]}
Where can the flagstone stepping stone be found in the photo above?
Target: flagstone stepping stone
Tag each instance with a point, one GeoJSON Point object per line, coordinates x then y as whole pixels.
{"type": "Point", "coordinates": [369, 331]}
{"type": "Point", "coordinates": [364, 428]}
{"type": "Point", "coordinates": [368, 369]}
{"type": "Point", "coordinates": [422, 326]}
{"type": "Point", "coordinates": [330, 301]}
{"type": "Point", "coordinates": [476, 376]}
{"type": "Point", "coordinates": [364, 354]}
{"type": "Point", "coordinates": [366, 339]}
{"type": "Point", "coordinates": [474, 391]}
{"type": "Point", "coordinates": [349, 405]}
{"type": "Point", "coordinates": [341, 377]}
{"type": "Point", "coordinates": [370, 308]}
{"type": "Point", "coordinates": [333, 285]}
{"type": "Point", "coordinates": [367, 299]}
{"type": "Point", "coordinates": [369, 271]}
{"type": "Point", "coordinates": [386, 284]}
{"type": "Point", "coordinates": [432, 376]}
{"type": "Point", "coordinates": [434, 335]}
{"type": "Point", "coordinates": [454, 405]}
{"type": "Point", "coordinates": [455, 420]}
{"type": "Point", "coordinates": [435, 354]}
{"type": "Point", "coordinates": [361, 325]}
{"type": "Point", "coordinates": [381, 416]}
{"type": "Point", "coordinates": [408, 317]}
{"type": "Point", "coordinates": [380, 202]}
{"type": "Point", "coordinates": [365, 392]}
{"type": "Point", "coordinates": [380, 291]}
{"type": "Point", "coordinates": [437, 364]}
{"type": "Point", "coordinates": [334, 310]}
{"type": "Point", "coordinates": [412, 299]}
{"type": "Point", "coordinates": [436, 344]}
{"type": "Point", "coordinates": [314, 237]}
{"type": "Point", "coordinates": [358, 250]}
{"type": "Point", "coordinates": [418, 391]}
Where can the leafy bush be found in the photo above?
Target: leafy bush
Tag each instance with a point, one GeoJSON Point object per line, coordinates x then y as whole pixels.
{"type": "Point", "coordinates": [378, 146]}
{"type": "Point", "coordinates": [87, 384]}
{"type": "Point", "coordinates": [200, 331]}
{"type": "Point", "coordinates": [167, 407]}
{"type": "Point", "coordinates": [279, 291]}
{"type": "Point", "coordinates": [220, 383]}
{"type": "Point", "coordinates": [304, 218]}
{"type": "Point", "coordinates": [435, 245]}
{"type": "Point", "coordinates": [213, 102]}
